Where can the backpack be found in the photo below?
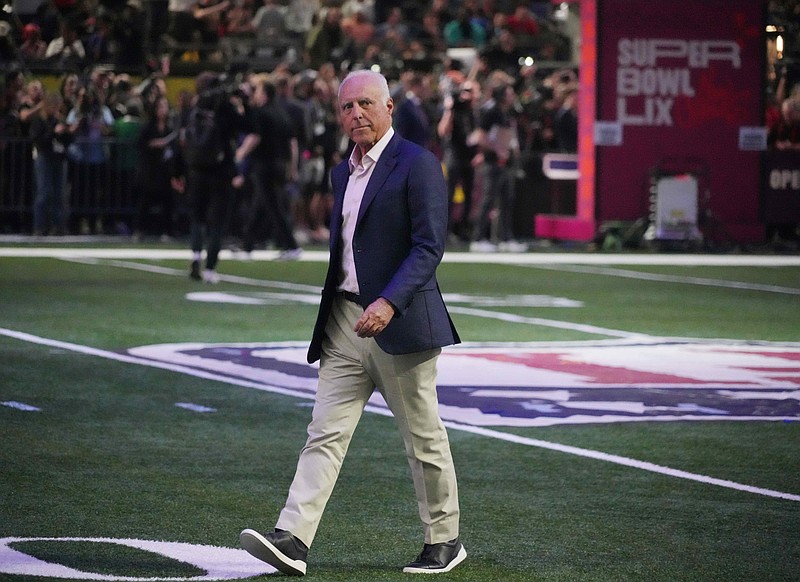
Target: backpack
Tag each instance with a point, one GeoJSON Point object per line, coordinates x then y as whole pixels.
{"type": "Point", "coordinates": [204, 145]}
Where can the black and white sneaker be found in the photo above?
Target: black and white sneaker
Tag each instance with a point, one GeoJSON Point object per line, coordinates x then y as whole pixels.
{"type": "Point", "coordinates": [279, 549]}
{"type": "Point", "coordinates": [438, 558]}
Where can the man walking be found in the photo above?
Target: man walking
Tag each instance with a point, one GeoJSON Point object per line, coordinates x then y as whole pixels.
{"type": "Point", "coordinates": [382, 322]}
{"type": "Point", "coordinates": [274, 149]}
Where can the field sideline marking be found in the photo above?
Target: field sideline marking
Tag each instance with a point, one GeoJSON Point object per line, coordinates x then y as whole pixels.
{"type": "Point", "coordinates": [612, 272]}
{"type": "Point", "coordinates": [532, 258]}
{"type": "Point", "coordinates": [499, 435]}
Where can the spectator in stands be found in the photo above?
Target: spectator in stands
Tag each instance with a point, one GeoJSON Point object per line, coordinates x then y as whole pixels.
{"type": "Point", "coordinates": [129, 35]}
{"type": "Point", "coordinates": [67, 51]}
{"type": "Point", "coordinates": [195, 22]}
{"type": "Point", "coordinates": [482, 14]}
{"type": "Point", "coordinates": [33, 48]}
{"type": "Point", "coordinates": [326, 39]}
{"type": "Point", "coordinates": [100, 44]}
{"type": "Point", "coordinates": [366, 7]}
{"type": "Point", "coordinates": [360, 31]}
{"type": "Point", "coordinates": [523, 22]}
{"type": "Point", "coordinates": [463, 31]}
{"type": "Point", "coordinates": [48, 18]}
{"type": "Point", "coordinates": [429, 35]}
{"type": "Point", "coordinates": [393, 34]}
{"type": "Point", "coordinates": [239, 19]}
{"type": "Point", "coordinates": [49, 134]}
{"type": "Point", "coordinates": [269, 24]}
{"type": "Point", "coordinates": [9, 55]}
{"type": "Point", "coordinates": [300, 16]}
{"type": "Point", "coordinates": [441, 8]}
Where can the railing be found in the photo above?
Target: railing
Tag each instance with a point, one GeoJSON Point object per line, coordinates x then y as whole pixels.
{"type": "Point", "coordinates": [98, 197]}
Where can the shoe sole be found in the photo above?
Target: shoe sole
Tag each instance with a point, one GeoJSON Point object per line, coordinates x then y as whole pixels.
{"type": "Point", "coordinates": [460, 557]}
{"type": "Point", "coordinates": [259, 547]}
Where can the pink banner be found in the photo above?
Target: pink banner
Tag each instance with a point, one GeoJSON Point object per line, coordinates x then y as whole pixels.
{"type": "Point", "coordinates": [679, 88]}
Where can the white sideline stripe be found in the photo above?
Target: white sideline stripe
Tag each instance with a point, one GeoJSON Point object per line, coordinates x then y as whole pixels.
{"type": "Point", "coordinates": [670, 278]}
{"type": "Point", "coordinates": [531, 258]}
{"type": "Point", "coordinates": [511, 318]}
{"type": "Point", "coordinates": [586, 453]}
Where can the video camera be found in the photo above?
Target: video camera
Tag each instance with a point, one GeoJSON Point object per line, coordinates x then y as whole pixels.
{"type": "Point", "coordinates": [215, 88]}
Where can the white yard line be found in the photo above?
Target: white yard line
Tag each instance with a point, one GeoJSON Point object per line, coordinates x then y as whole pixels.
{"type": "Point", "coordinates": [513, 318]}
{"type": "Point", "coordinates": [474, 312]}
{"type": "Point", "coordinates": [148, 268]}
{"type": "Point", "coordinates": [532, 258]}
{"type": "Point", "coordinates": [612, 272]}
{"type": "Point", "coordinates": [578, 451]}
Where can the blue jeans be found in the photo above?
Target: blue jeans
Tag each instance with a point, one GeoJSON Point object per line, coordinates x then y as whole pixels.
{"type": "Point", "coordinates": [48, 206]}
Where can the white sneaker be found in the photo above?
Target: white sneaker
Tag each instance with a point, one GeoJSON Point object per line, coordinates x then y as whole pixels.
{"type": "Point", "coordinates": [482, 246]}
{"type": "Point", "coordinates": [512, 246]}
{"type": "Point", "coordinates": [290, 254]}
{"type": "Point", "coordinates": [211, 277]}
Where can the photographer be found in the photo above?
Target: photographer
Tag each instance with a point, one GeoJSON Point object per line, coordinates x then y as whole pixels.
{"type": "Point", "coordinates": [212, 124]}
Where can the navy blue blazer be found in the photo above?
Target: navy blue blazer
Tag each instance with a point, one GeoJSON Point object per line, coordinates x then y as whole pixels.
{"type": "Point", "coordinates": [398, 243]}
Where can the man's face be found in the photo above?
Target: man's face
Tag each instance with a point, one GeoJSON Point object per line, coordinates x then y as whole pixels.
{"type": "Point", "coordinates": [366, 116]}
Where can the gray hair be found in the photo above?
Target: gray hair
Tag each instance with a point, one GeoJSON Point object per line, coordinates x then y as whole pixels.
{"type": "Point", "coordinates": [375, 78]}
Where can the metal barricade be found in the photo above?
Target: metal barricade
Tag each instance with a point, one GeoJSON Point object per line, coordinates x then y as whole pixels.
{"type": "Point", "coordinates": [98, 197]}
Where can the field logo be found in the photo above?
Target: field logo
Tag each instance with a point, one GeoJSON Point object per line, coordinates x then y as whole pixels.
{"type": "Point", "coordinates": [549, 384]}
{"type": "Point", "coordinates": [217, 563]}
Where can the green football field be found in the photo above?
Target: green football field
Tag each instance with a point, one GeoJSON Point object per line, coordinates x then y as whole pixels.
{"type": "Point", "coordinates": [612, 417]}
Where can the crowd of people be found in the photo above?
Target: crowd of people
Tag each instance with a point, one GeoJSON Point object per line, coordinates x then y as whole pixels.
{"type": "Point", "coordinates": [132, 35]}
{"type": "Point", "coordinates": [481, 117]}
{"type": "Point", "coordinates": [486, 112]}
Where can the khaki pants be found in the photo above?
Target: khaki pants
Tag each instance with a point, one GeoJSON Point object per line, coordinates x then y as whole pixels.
{"type": "Point", "coordinates": [350, 369]}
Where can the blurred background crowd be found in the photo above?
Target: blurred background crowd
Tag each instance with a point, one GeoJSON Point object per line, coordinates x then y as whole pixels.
{"type": "Point", "coordinates": [488, 85]}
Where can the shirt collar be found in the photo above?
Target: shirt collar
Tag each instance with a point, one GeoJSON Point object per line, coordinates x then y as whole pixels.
{"type": "Point", "coordinates": [372, 155]}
